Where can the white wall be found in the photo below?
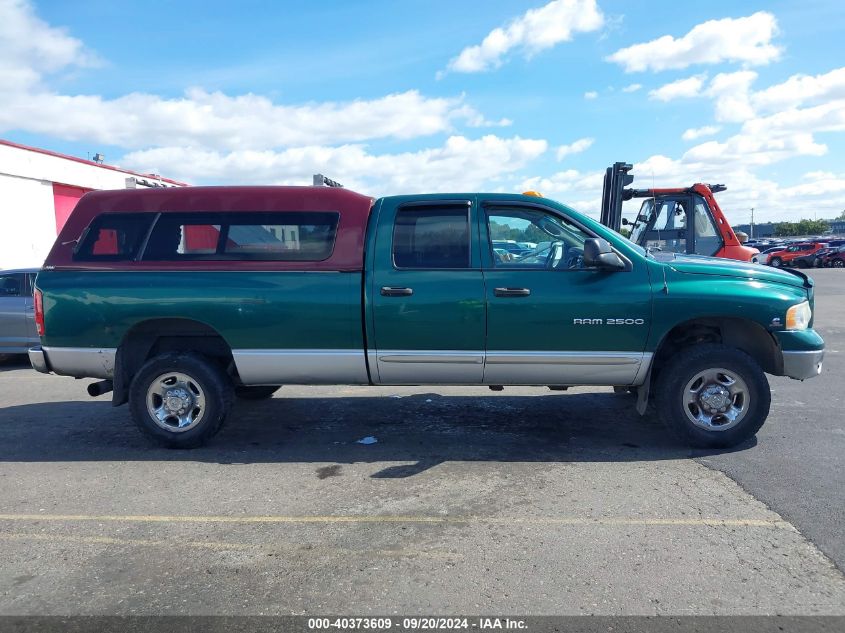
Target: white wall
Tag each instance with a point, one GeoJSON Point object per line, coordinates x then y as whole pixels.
{"type": "Point", "coordinates": [28, 164]}
{"type": "Point", "coordinates": [27, 221]}
{"type": "Point", "coordinates": [27, 209]}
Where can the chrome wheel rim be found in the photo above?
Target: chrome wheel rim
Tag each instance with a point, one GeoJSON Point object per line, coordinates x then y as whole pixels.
{"type": "Point", "coordinates": [176, 402]}
{"type": "Point", "coordinates": [716, 399]}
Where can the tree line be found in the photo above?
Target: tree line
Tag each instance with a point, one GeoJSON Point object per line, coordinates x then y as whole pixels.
{"type": "Point", "coordinates": [802, 227]}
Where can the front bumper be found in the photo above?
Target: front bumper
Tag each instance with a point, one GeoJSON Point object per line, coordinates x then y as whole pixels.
{"type": "Point", "coordinates": [803, 365]}
{"type": "Point", "coordinates": [38, 360]}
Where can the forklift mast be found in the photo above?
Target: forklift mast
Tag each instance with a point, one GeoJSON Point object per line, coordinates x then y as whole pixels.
{"type": "Point", "coordinates": [614, 194]}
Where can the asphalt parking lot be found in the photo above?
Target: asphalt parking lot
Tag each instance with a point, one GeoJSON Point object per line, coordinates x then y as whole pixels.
{"type": "Point", "coordinates": [525, 501]}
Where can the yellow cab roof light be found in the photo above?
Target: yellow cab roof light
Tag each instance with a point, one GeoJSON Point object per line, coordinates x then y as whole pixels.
{"type": "Point", "coordinates": [536, 194]}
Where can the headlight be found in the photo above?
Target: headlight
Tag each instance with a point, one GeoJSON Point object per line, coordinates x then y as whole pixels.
{"type": "Point", "coordinates": [798, 316]}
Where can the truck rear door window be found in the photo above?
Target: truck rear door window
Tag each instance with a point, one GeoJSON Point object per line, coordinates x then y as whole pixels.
{"type": "Point", "coordinates": [280, 236]}
{"type": "Point", "coordinates": [431, 237]}
{"type": "Point", "coordinates": [113, 237]}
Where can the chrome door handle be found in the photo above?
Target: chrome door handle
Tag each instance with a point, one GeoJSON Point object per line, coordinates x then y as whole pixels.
{"type": "Point", "coordinates": [511, 292]}
{"type": "Point", "coordinates": [390, 291]}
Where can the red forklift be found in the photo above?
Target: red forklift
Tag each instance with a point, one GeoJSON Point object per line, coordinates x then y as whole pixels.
{"type": "Point", "coordinates": [679, 220]}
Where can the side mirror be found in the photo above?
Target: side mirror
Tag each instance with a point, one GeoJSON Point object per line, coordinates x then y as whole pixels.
{"type": "Point", "coordinates": [599, 254]}
{"type": "Point", "coordinates": [742, 237]}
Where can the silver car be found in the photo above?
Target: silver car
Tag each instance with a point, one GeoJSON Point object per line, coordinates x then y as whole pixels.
{"type": "Point", "coordinates": [17, 312]}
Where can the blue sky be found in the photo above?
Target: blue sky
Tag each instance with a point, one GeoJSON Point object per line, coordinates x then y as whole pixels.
{"type": "Point", "coordinates": [393, 97]}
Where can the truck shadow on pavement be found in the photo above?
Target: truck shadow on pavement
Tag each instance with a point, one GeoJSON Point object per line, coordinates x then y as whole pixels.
{"type": "Point", "coordinates": [423, 429]}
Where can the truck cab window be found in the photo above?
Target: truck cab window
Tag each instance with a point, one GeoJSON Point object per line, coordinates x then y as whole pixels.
{"type": "Point", "coordinates": [531, 238]}
{"type": "Point", "coordinates": [431, 237]}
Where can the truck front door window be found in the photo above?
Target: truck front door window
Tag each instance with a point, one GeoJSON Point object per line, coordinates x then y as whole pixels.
{"type": "Point", "coordinates": [552, 242]}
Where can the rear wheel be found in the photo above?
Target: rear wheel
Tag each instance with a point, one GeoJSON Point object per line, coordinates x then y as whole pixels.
{"type": "Point", "coordinates": [775, 262]}
{"type": "Point", "coordinates": [180, 400]}
{"type": "Point", "coordinates": [712, 396]}
{"type": "Point", "coordinates": [838, 263]}
{"type": "Point", "coordinates": [801, 263]}
{"type": "Point", "coordinates": [261, 392]}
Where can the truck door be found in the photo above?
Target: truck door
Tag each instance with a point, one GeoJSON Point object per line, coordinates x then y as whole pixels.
{"type": "Point", "coordinates": [551, 320]}
{"type": "Point", "coordinates": [426, 293]}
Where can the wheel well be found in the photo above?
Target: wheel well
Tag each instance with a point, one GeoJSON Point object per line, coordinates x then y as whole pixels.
{"type": "Point", "coordinates": [748, 336]}
{"type": "Point", "coordinates": [158, 336]}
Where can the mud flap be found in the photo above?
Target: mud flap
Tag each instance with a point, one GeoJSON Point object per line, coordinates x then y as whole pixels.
{"type": "Point", "coordinates": [643, 393]}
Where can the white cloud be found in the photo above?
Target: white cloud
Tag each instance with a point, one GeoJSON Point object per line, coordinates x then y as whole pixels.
{"type": "Point", "coordinates": [731, 95]}
{"type": "Point", "coordinates": [30, 48]}
{"type": "Point", "coordinates": [632, 88]}
{"type": "Point", "coordinates": [580, 190]}
{"type": "Point", "coordinates": [800, 89]}
{"type": "Point", "coordinates": [747, 40]}
{"type": "Point", "coordinates": [228, 122]}
{"type": "Point", "coordinates": [460, 164]}
{"type": "Point", "coordinates": [592, 94]}
{"type": "Point", "coordinates": [582, 144]}
{"type": "Point", "coordinates": [680, 89]}
{"type": "Point", "coordinates": [534, 31]}
{"type": "Point", "coordinates": [694, 133]}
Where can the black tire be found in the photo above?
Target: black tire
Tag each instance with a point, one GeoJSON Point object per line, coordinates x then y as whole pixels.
{"type": "Point", "coordinates": [801, 263]}
{"type": "Point", "coordinates": [260, 392]}
{"type": "Point", "coordinates": [686, 365]}
{"type": "Point", "coordinates": [5, 358]}
{"type": "Point", "coordinates": [775, 262]}
{"type": "Point", "coordinates": [205, 378]}
{"type": "Point", "coordinates": [838, 263]}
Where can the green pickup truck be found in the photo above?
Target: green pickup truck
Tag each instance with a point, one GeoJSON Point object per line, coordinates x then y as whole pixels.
{"type": "Point", "coordinates": [181, 300]}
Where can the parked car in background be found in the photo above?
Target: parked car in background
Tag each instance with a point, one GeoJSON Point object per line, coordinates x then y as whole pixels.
{"type": "Point", "coordinates": [512, 247]}
{"type": "Point", "coordinates": [17, 312]}
{"type": "Point", "coordinates": [812, 260]}
{"type": "Point", "coordinates": [795, 254]}
{"type": "Point", "coordinates": [834, 258]}
{"type": "Point", "coordinates": [763, 256]}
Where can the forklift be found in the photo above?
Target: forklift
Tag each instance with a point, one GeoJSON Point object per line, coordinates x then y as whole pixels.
{"type": "Point", "coordinates": [683, 220]}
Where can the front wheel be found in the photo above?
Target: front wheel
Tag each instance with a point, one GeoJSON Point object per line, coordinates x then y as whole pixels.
{"type": "Point", "coordinates": [180, 400]}
{"type": "Point", "coordinates": [712, 396]}
{"type": "Point", "coordinates": [776, 262]}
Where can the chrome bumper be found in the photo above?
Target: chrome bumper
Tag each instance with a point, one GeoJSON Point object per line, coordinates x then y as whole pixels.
{"type": "Point", "coordinates": [802, 365]}
{"type": "Point", "coordinates": [38, 360]}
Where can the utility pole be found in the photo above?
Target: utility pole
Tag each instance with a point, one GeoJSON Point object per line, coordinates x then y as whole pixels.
{"type": "Point", "coordinates": [752, 223]}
